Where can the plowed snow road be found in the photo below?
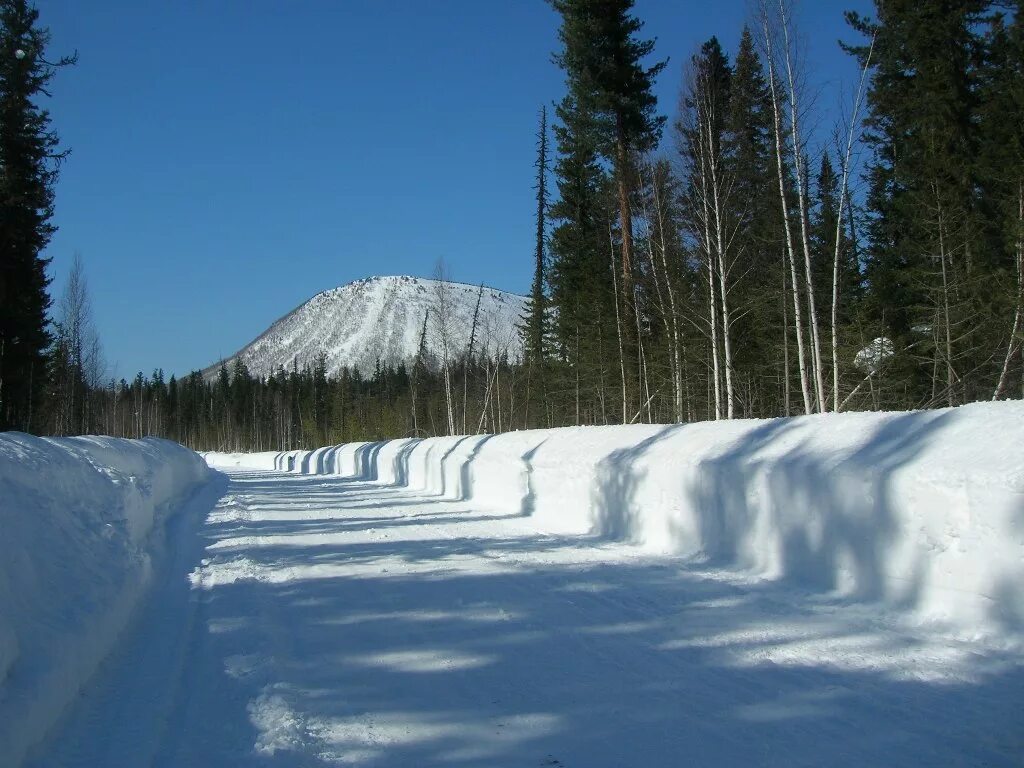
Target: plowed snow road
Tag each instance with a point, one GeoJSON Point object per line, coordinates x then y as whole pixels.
{"type": "Point", "coordinates": [313, 620]}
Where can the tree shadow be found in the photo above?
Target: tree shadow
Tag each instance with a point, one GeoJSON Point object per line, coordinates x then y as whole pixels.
{"type": "Point", "coordinates": [450, 645]}
{"type": "Point", "coordinates": [774, 505]}
{"type": "Point", "coordinates": [618, 477]}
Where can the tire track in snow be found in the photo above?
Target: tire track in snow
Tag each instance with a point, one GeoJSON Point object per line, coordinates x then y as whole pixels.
{"type": "Point", "coordinates": [350, 623]}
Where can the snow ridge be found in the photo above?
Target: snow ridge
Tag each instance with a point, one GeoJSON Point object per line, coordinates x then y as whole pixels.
{"type": "Point", "coordinates": [917, 510]}
{"type": "Point", "coordinates": [79, 526]}
{"type": "Point", "coordinates": [382, 318]}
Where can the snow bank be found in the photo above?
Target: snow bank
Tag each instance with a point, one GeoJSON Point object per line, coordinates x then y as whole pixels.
{"type": "Point", "coordinates": [923, 511]}
{"type": "Point", "coordinates": [282, 460]}
{"type": "Point", "coordinates": [77, 517]}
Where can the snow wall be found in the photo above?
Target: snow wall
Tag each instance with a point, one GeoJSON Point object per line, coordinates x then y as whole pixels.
{"type": "Point", "coordinates": [80, 520]}
{"type": "Point", "coordinates": [923, 511]}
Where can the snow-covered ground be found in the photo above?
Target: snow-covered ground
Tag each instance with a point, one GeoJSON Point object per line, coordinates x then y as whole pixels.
{"type": "Point", "coordinates": [81, 523]}
{"type": "Point", "coordinates": [841, 590]}
{"type": "Point", "coordinates": [923, 511]}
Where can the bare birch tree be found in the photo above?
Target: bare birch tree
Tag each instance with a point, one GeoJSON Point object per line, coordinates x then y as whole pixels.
{"type": "Point", "coordinates": [78, 355]}
{"type": "Point", "coordinates": [469, 357]}
{"type": "Point", "coordinates": [798, 149]}
{"type": "Point", "coordinates": [780, 168]}
{"type": "Point", "coordinates": [710, 190]}
{"type": "Point", "coordinates": [847, 158]}
{"type": "Point", "coordinates": [443, 328]}
{"type": "Point", "coordinates": [1016, 342]}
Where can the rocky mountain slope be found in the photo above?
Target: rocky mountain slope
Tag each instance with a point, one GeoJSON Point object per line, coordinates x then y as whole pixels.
{"type": "Point", "coordinates": [383, 318]}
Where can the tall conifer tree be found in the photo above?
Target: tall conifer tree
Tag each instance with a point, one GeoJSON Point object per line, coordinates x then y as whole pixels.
{"type": "Point", "coordinates": [759, 241]}
{"type": "Point", "coordinates": [534, 336]}
{"type": "Point", "coordinates": [29, 158]}
{"type": "Point", "coordinates": [603, 61]}
{"type": "Point", "coordinates": [924, 256]}
{"type": "Point", "coordinates": [581, 289]}
{"type": "Point", "coordinates": [1001, 169]}
{"type": "Point", "coordinates": [534, 331]}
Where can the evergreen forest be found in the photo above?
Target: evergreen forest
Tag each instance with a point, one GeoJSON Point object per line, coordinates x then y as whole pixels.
{"type": "Point", "coordinates": [743, 253]}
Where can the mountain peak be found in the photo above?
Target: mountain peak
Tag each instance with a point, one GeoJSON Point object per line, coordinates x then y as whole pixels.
{"type": "Point", "coordinates": [382, 318]}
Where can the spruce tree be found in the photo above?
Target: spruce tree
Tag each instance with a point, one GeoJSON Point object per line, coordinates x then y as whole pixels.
{"type": "Point", "coordinates": [603, 61]}
{"type": "Point", "coordinates": [534, 321]}
{"type": "Point", "coordinates": [29, 159]}
{"type": "Point", "coordinates": [534, 328]}
{"type": "Point", "coordinates": [708, 202]}
{"type": "Point", "coordinates": [581, 287]}
{"type": "Point", "coordinates": [924, 258]}
{"type": "Point", "coordinates": [1001, 171]}
{"type": "Point", "coordinates": [823, 225]}
{"type": "Point", "coordinates": [759, 240]}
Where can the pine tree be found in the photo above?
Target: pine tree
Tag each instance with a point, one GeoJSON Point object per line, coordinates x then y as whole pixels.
{"type": "Point", "coordinates": [534, 330]}
{"type": "Point", "coordinates": [925, 258]}
{"type": "Point", "coordinates": [29, 160]}
{"type": "Point", "coordinates": [535, 321]}
{"type": "Point", "coordinates": [713, 214]}
{"type": "Point", "coordinates": [825, 214]}
{"type": "Point", "coordinates": [758, 239]}
{"type": "Point", "coordinates": [1001, 172]}
{"type": "Point", "coordinates": [581, 292]}
{"type": "Point", "coordinates": [603, 61]}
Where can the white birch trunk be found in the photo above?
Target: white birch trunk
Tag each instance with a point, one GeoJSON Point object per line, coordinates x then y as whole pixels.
{"type": "Point", "coordinates": [948, 341]}
{"type": "Point", "coordinates": [676, 335]}
{"type": "Point", "coordinates": [836, 405]}
{"type": "Point", "coordinates": [794, 127]}
{"type": "Point", "coordinates": [618, 329]}
{"type": "Point", "coordinates": [661, 298]}
{"type": "Point", "coordinates": [721, 248]}
{"type": "Point", "coordinates": [709, 253]}
{"type": "Point", "coordinates": [790, 252]}
{"type": "Point", "coordinates": [1018, 316]}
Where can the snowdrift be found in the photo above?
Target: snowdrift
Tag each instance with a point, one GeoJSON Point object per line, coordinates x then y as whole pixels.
{"type": "Point", "coordinates": [921, 511]}
{"type": "Point", "coordinates": [78, 522]}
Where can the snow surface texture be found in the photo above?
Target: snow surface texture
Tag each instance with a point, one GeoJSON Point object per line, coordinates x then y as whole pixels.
{"type": "Point", "coordinates": [77, 520]}
{"type": "Point", "coordinates": [382, 318]}
{"type": "Point", "coordinates": [706, 595]}
{"type": "Point", "coordinates": [921, 510]}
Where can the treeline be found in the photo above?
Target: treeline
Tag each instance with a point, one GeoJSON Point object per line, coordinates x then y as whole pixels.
{"type": "Point", "coordinates": [235, 411]}
{"type": "Point", "coordinates": [741, 262]}
{"type": "Point", "coordinates": [744, 259]}
{"type": "Point", "coordinates": [30, 158]}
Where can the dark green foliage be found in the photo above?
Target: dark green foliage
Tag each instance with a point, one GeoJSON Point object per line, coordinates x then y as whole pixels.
{"type": "Point", "coordinates": [1001, 175]}
{"type": "Point", "coordinates": [927, 262]}
{"type": "Point", "coordinates": [235, 411]}
{"type": "Point", "coordinates": [535, 322]}
{"type": "Point", "coordinates": [759, 240]}
{"type": "Point", "coordinates": [930, 256]}
{"type": "Point", "coordinates": [607, 115]}
{"type": "Point", "coordinates": [578, 274]}
{"type": "Point", "coordinates": [602, 59]}
{"type": "Point", "coordinates": [28, 171]}
{"type": "Point", "coordinates": [535, 330]}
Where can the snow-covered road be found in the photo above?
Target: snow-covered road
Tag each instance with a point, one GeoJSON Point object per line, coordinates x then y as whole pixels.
{"type": "Point", "coordinates": [312, 620]}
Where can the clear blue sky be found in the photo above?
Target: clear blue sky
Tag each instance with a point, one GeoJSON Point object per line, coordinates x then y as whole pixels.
{"type": "Point", "coordinates": [231, 159]}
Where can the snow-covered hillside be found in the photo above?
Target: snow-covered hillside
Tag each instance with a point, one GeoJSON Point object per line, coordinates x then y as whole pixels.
{"type": "Point", "coordinates": [382, 318]}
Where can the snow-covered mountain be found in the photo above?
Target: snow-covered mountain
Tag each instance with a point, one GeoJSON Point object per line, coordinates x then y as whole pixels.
{"type": "Point", "coordinates": [382, 318]}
